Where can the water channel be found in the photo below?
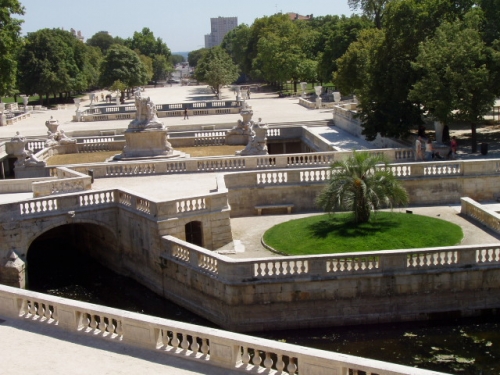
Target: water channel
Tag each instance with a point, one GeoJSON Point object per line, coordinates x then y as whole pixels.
{"type": "Point", "coordinates": [456, 346]}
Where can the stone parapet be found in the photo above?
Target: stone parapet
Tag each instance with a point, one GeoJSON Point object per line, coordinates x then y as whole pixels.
{"type": "Point", "coordinates": [216, 347]}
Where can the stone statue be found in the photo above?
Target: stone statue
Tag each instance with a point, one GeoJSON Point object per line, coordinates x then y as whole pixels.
{"type": "Point", "coordinates": [64, 139]}
{"type": "Point", "coordinates": [258, 141]}
{"type": "Point", "coordinates": [32, 161]}
{"type": "Point", "coordinates": [51, 141]}
{"type": "Point", "coordinates": [146, 117]}
{"type": "Point", "coordinates": [52, 124]}
{"type": "Point", "coordinates": [25, 158]}
{"type": "Point", "coordinates": [242, 132]}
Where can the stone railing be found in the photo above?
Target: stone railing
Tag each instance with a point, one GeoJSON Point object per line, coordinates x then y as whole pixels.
{"type": "Point", "coordinates": [19, 117]}
{"type": "Point", "coordinates": [203, 345]}
{"type": "Point", "coordinates": [217, 107]}
{"type": "Point", "coordinates": [476, 211]}
{"type": "Point", "coordinates": [48, 206]}
{"type": "Point", "coordinates": [239, 163]}
{"type": "Point", "coordinates": [327, 266]}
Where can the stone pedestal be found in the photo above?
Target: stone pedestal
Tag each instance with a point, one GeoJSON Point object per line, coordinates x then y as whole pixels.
{"type": "Point", "coordinates": [237, 139]}
{"type": "Point", "coordinates": [28, 171]}
{"type": "Point", "coordinates": [13, 271]}
{"type": "Point", "coordinates": [146, 144]}
{"type": "Point", "coordinates": [318, 103]}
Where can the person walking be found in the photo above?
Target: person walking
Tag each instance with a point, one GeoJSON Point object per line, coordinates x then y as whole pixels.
{"type": "Point", "coordinates": [429, 150]}
{"type": "Point", "coordinates": [453, 148]}
{"type": "Point", "coordinates": [186, 116]}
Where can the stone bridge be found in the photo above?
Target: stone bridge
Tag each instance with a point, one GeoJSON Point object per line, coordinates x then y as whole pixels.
{"type": "Point", "coordinates": [116, 227]}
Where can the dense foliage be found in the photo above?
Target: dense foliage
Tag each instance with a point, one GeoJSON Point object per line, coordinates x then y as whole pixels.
{"type": "Point", "coordinates": [10, 41]}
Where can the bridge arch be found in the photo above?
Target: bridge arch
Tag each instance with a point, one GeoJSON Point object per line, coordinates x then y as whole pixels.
{"type": "Point", "coordinates": [62, 251]}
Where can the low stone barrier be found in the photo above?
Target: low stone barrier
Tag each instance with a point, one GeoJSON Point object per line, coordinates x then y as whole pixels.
{"type": "Point", "coordinates": [476, 211]}
{"type": "Point", "coordinates": [68, 181]}
{"type": "Point", "coordinates": [203, 345]}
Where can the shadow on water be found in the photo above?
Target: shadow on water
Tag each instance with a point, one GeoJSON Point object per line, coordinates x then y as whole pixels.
{"type": "Point", "coordinates": [457, 346]}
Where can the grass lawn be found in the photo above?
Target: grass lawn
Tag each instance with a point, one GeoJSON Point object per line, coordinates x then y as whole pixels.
{"type": "Point", "coordinates": [98, 157]}
{"type": "Point", "coordinates": [329, 234]}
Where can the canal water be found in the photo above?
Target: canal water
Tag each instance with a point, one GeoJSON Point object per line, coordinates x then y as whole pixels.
{"type": "Point", "coordinates": [456, 346]}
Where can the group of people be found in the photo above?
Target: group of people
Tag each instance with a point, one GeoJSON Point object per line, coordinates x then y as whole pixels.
{"type": "Point", "coordinates": [424, 148]}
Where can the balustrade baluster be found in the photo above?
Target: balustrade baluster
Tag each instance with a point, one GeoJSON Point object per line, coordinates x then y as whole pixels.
{"type": "Point", "coordinates": [102, 324]}
{"type": "Point", "coordinates": [185, 342]}
{"type": "Point", "coordinates": [204, 347]}
{"type": "Point", "coordinates": [32, 308]}
{"type": "Point", "coordinates": [93, 322]}
{"type": "Point", "coordinates": [292, 367]}
{"type": "Point", "coordinates": [195, 347]}
{"type": "Point", "coordinates": [268, 362]}
{"type": "Point", "coordinates": [280, 364]}
{"type": "Point", "coordinates": [110, 327]}
{"type": "Point", "coordinates": [282, 269]}
{"type": "Point", "coordinates": [245, 357]}
{"type": "Point", "coordinates": [274, 269]}
{"type": "Point", "coordinates": [175, 340]}
{"type": "Point", "coordinates": [119, 328]}
{"type": "Point", "coordinates": [256, 360]}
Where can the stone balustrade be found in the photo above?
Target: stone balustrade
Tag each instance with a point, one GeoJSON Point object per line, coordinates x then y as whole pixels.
{"type": "Point", "coordinates": [213, 202]}
{"type": "Point", "coordinates": [232, 163]}
{"type": "Point", "coordinates": [217, 107]}
{"type": "Point", "coordinates": [295, 268]}
{"type": "Point", "coordinates": [19, 117]}
{"type": "Point", "coordinates": [203, 345]}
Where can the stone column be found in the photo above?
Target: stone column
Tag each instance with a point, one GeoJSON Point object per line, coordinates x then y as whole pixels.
{"type": "Point", "coordinates": [303, 86]}
{"type": "Point", "coordinates": [318, 89]}
{"type": "Point", "coordinates": [438, 127]}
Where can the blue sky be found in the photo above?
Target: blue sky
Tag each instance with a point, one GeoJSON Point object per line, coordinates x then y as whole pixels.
{"type": "Point", "coordinates": [182, 24]}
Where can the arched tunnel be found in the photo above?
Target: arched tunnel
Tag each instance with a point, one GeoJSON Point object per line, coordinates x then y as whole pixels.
{"type": "Point", "coordinates": [67, 261]}
{"type": "Point", "coordinates": [68, 255]}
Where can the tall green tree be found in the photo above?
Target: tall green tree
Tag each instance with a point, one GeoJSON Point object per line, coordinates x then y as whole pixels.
{"type": "Point", "coordinates": [161, 68]}
{"type": "Point", "coordinates": [146, 43]}
{"type": "Point", "coordinates": [362, 183]}
{"type": "Point", "coordinates": [340, 35]}
{"type": "Point", "coordinates": [217, 69]}
{"type": "Point", "coordinates": [124, 65]}
{"type": "Point", "coordinates": [235, 43]}
{"type": "Point", "coordinates": [374, 9]}
{"type": "Point", "coordinates": [491, 27]}
{"type": "Point", "coordinates": [53, 61]}
{"type": "Point", "coordinates": [389, 76]}
{"type": "Point", "coordinates": [102, 40]}
{"type": "Point", "coordinates": [195, 56]}
{"type": "Point", "coordinates": [10, 39]}
{"type": "Point", "coordinates": [459, 74]}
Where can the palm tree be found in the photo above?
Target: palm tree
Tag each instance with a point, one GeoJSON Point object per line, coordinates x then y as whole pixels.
{"type": "Point", "coordinates": [362, 183]}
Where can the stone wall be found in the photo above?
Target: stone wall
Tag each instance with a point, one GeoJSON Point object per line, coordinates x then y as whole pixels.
{"type": "Point", "coordinates": [330, 290]}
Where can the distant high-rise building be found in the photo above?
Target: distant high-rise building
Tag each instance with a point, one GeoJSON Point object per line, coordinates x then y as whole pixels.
{"type": "Point", "coordinates": [220, 27]}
